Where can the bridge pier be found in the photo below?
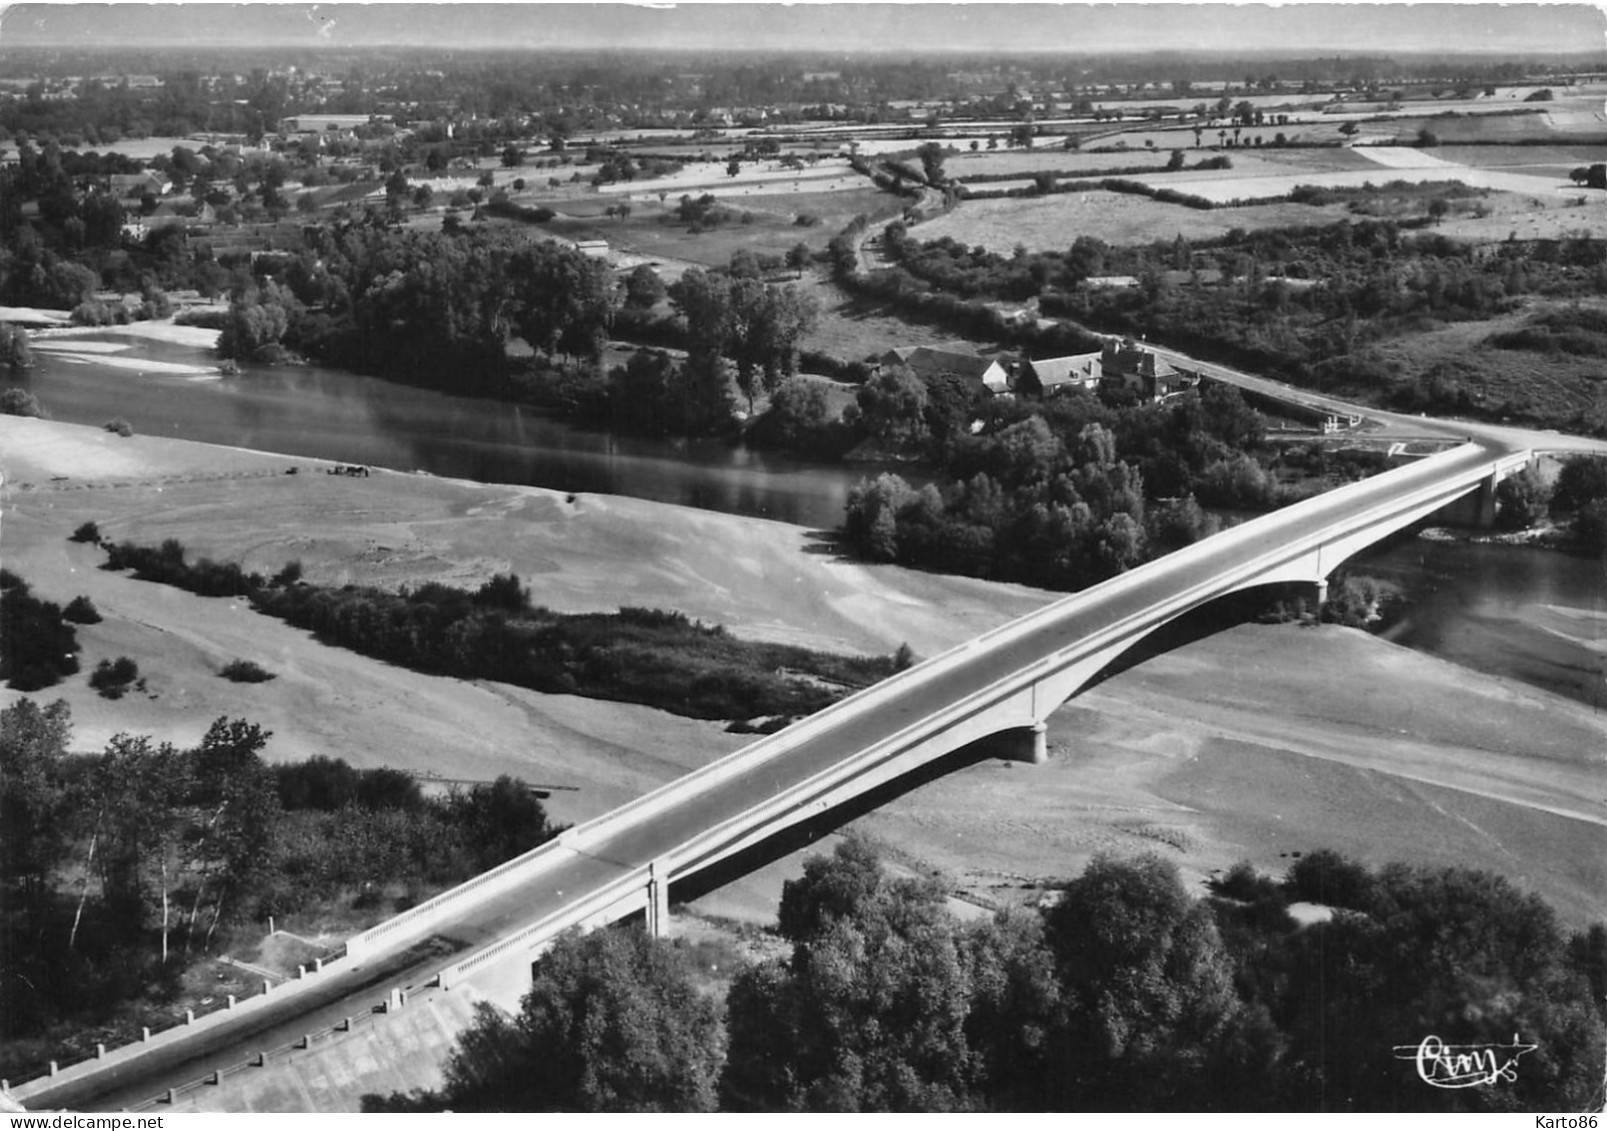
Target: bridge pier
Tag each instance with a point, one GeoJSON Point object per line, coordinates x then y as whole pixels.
{"type": "Point", "coordinates": [1020, 744]}
{"type": "Point", "coordinates": [1319, 593]}
{"type": "Point", "coordinates": [658, 898]}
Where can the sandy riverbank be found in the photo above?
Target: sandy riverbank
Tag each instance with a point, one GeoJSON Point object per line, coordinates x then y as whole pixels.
{"type": "Point", "coordinates": [117, 346]}
{"type": "Point", "coordinates": [1257, 742]}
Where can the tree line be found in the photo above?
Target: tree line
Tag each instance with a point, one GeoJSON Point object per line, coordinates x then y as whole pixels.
{"type": "Point", "coordinates": [1127, 994]}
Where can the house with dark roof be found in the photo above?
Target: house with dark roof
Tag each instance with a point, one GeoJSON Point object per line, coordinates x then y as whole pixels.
{"type": "Point", "coordinates": [929, 363]}
{"type": "Point", "coordinates": [136, 185]}
{"type": "Point", "coordinates": [1046, 377]}
{"type": "Point", "coordinates": [1150, 378]}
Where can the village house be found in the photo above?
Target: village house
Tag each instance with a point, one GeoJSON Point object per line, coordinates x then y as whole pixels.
{"type": "Point", "coordinates": [1148, 377]}
{"type": "Point", "coordinates": [930, 362]}
{"type": "Point", "coordinates": [1049, 376]}
{"type": "Point", "coordinates": [135, 185]}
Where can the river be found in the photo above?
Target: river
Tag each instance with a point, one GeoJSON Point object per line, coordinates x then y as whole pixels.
{"type": "Point", "coordinates": [1531, 615]}
{"type": "Point", "coordinates": [332, 414]}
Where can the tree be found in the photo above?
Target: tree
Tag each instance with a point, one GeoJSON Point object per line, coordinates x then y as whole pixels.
{"type": "Point", "coordinates": [888, 1003]}
{"type": "Point", "coordinates": [33, 839]}
{"type": "Point", "coordinates": [798, 410]}
{"type": "Point", "coordinates": [512, 157]}
{"type": "Point", "coordinates": [1148, 986]}
{"type": "Point", "coordinates": [643, 288]}
{"type": "Point", "coordinates": [798, 257]}
{"type": "Point", "coordinates": [1457, 953]}
{"type": "Point", "coordinates": [891, 408]}
{"type": "Point", "coordinates": [1582, 480]}
{"type": "Point", "coordinates": [612, 1022]}
{"type": "Point", "coordinates": [562, 299]}
{"type": "Point", "coordinates": [140, 792]}
{"type": "Point", "coordinates": [1522, 500]}
{"type": "Point", "coordinates": [238, 800]}
{"type": "Point", "coordinates": [504, 819]}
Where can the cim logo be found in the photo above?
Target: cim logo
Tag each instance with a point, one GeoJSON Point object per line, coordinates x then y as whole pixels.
{"type": "Point", "coordinates": [1463, 1066]}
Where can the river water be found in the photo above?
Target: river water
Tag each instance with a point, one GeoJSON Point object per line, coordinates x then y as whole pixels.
{"type": "Point", "coordinates": [1531, 615]}
{"type": "Point", "coordinates": [332, 414]}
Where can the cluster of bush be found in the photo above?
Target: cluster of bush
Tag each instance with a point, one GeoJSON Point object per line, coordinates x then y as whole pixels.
{"type": "Point", "coordinates": [347, 832]}
{"type": "Point", "coordinates": [38, 646]}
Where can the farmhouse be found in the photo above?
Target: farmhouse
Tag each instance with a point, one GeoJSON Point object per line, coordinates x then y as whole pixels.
{"type": "Point", "coordinates": [929, 363]}
{"type": "Point", "coordinates": [1049, 376]}
{"type": "Point", "coordinates": [598, 249]}
{"type": "Point", "coordinates": [323, 123]}
{"type": "Point", "coordinates": [126, 185]}
{"type": "Point", "coordinates": [1150, 378]}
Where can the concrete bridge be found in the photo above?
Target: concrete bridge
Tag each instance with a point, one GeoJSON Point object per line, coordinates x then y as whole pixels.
{"type": "Point", "coordinates": [997, 689]}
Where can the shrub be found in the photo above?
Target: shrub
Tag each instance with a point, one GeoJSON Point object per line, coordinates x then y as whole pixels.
{"type": "Point", "coordinates": [244, 671]}
{"type": "Point", "coordinates": [87, 532]}
{"type": "Point", "coordinates": [112, 677]}
{"type": "Point", "coordinates": [37, 647]}
{"type": "Point", "coordinates": [81, 610]}
{"type": "Point", "coordinates": [19, 402]}
{"type": "Point", "coordinates": [1328, 878]}
{"type": "Point", "coordinates": [119, 426]}
{"type": "Point", "coordinates": [290, 574]}
{"type": "Point", "coordinates": [1245, 884]}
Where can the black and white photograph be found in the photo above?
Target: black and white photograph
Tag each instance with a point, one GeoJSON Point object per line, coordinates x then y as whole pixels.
{"type": "Point", "coordinates": [803, 558]}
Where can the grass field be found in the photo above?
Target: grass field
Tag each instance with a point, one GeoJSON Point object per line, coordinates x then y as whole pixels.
{"type": "Point", "coordinates": [853, 329]}
{"type": "Point", "coordinates": [1052, 223]}
{"type": "Point", "coordinates": [650, 232]}
{"type": "Point", "coordinates": [1067, 162]}
{"type": "Point", "coordinates": [1519, 156]}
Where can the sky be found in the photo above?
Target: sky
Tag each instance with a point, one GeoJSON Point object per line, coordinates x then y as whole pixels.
{"type": "Point", "coordinates": [1300, 27]}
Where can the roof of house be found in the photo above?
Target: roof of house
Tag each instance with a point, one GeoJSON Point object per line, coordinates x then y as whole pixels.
{"type": "Point", "coordinates": [1128, 357]}
{"type": "Point", "coordinates": [928, 362]}
{"type": "Point", "coordinates": [1052, 371]}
